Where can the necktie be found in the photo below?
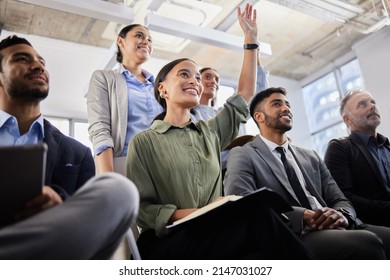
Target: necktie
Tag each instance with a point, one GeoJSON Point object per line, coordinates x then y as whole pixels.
{"type": "Point", "coordinates": [293, 179]}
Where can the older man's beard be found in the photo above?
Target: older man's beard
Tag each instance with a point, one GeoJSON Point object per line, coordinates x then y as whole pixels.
{"type": "Point", "coordinates": [366, 123]}
{"type": "Point", "coordinates": [31, 94]}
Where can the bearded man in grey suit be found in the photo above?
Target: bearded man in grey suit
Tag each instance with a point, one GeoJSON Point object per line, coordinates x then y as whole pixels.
{"type": "Point", "coordinates": [322, 217]}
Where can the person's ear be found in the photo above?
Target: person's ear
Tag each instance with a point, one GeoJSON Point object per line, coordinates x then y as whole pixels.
{"type": "Point", "coordinates": [119, 41]}
{"type": "Point", "coordinates": [258, 117]}
{"type": "Point", "coordinates": [347, 120]}
{"type": "Point", "coordinates": [163, 92]}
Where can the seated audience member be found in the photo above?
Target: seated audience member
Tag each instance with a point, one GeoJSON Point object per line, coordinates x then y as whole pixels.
{"type": "Point", "coordinates": [321, 212]}
{"type": "Point", "coordinates": [360, 162]}
{"type": "Point", "coordinates": [77, 216]}
{"type": "Point", "coordinates": [176, 167]}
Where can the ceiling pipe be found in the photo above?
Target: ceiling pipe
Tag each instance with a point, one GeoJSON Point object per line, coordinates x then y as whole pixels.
{"type": "Point", "coordinates": [375, 27]}
{"type": "Point", "coordinates": [380, 24]}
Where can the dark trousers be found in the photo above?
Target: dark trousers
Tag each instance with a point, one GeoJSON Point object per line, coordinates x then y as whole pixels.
{"type": "Point", "coordinates": [364, 243]}
{"type": "Point", "coordinates": [383, 234]}
{"type": "Point", "coordinates": [260, 235]}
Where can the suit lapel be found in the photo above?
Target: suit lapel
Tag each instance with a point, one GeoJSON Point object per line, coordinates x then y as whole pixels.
{"type": "Point", "coordinates": [307, 172]}
{"type": "Point", "coordinates": [355, 139]}
{"type": "Point", "coordinates": [276, 167]}
{"type": "Point", "coordinates": [52, 141]}
{"type": "Point", "coordinates": [122, 100]}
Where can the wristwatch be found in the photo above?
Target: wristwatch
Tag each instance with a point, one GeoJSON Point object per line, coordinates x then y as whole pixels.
{"type": "Point", "coordinates": [350, 218]}
{"type": "Point", "coordinates": [251, 46]}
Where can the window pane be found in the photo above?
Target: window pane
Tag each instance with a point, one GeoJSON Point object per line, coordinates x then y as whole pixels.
{"type": "Point", "coordinates": [321, 139]}
{"type": "Point", "coordinates": [321, 99]}
{"type": "Point", "coordinates": [60, 123]}
{"type": "Point", "coordinates": [351, 76]}
{"type": "Point", "coordinates": [223, 93]}
{"type": "Point", "coordinates": [81, 133]}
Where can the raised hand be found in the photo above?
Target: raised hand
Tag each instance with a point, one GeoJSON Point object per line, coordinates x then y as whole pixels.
{"type": "Point", "coordinates": [247, 20]}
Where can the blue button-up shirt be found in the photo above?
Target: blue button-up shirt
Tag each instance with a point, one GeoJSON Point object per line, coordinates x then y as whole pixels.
{"type": "Point", "coordinates": [379, 148]}
{"type": "Point", "coordinates": [10, 135]}
{"type": "Point", "coordinates": [142, 107]}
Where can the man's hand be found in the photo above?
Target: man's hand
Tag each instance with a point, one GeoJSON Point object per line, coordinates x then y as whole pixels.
{"type": "Point", "coordinates": [324, 218]}
{"type": "Point", "coordinates": [46, 200]}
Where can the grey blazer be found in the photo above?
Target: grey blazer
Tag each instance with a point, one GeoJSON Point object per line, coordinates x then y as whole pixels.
{"type": "Point", "coordinates": [107, 109]}
{"type": "Point", "coordinates": [254, 166]}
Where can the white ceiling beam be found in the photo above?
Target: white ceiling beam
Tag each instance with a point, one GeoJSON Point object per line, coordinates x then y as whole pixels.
{"type": "Point", "coordinates": [89, 8]}
{"type": "Point", "coordinates": [155, 5]}
{"type": "Point", "coordinates": [200, 34]}
{"type": "Point", "coordinates": [230, 19]}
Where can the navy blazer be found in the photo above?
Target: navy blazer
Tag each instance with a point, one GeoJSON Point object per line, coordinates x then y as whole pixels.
{"type": "Point", "coordinates": [358, 176]}
{"type": "Point", "coordinates": [69, 163]}
{"type": "Point", "coordinates": [253, 166]}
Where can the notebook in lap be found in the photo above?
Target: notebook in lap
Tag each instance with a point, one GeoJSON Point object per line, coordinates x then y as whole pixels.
{"type": "Point", "coordinates": [22, 175]}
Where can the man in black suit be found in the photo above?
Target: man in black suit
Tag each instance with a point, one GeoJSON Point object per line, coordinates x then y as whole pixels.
{"type": "Point", "coordinates": [77, 216]}
{"type": "Point", "coordinates": [360, 163]}
{"type": "Point", "coordinates": [323, 217]}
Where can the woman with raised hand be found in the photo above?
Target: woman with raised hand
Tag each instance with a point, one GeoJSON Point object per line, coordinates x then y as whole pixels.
{"type": "Point", "coordinates": [176, 167]}
{"type": "Point", "coordinates": [120, 102]}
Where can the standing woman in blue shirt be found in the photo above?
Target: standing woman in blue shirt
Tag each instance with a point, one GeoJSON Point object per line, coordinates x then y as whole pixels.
{"type": "Point", "coordinates": [120, 102]}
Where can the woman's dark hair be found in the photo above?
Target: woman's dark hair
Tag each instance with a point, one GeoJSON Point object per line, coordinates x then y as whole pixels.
{"type": "Point", "coordinates": [206, 68]}
{"type": "Point", "coordinates": [122, 34]}
{"type": "Point", "coordinates": [161, 76]}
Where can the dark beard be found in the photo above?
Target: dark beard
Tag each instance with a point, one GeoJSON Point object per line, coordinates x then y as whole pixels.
{"type": "Point", "coordinates": [35, 95]}
{"type": "Point", "coordinates": [276, 124]}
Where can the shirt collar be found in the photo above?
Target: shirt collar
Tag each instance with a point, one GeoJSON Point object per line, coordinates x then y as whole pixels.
{"type": "Point", "coordinates": [39, 121]}
{"type": "Point", "coordinates": [162, 127]}
{"type": "Point", "coordinates": [272, 146]}
{"type": "Point", "coordinates": [4, 117]}
{"type": "Point", "coordinates": [363, 136]}
{"type": "Point", "coordinates": [380, 139]}
{"type": "Point", "coordinates": [148, 76]}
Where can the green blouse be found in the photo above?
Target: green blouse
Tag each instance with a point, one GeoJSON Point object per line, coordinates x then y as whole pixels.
{"type": "Point", "coordinates": [177, 168]}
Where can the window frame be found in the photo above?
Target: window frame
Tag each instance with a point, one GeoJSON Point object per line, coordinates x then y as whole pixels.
{"type": "Point", "coordinates": [336, 69]}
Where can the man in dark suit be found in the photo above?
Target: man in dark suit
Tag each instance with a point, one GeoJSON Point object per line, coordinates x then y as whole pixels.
{"type": "Point", "coordinates": [80, 216]}
{"type": "Point", "coordinates": [69, 163]}
{"type": "Point", "coordinates": [322, 216]}
{"type": "Point", "coordinates": [360, 163]}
